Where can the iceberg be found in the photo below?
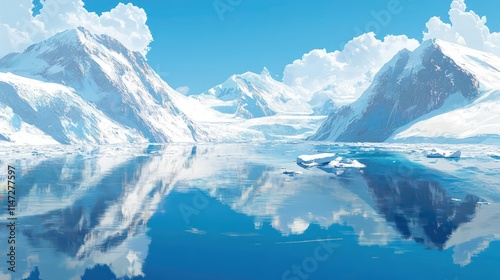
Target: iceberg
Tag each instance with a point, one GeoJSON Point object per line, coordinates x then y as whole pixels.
{"type": "Point", "coordinates": [315, 160]}
{"type": "Point", "coordinates": [340, 162]}
{"type": "Point", "coordinates": [343, 166]}
{"type": "Point", "coordinates": [436, 153]}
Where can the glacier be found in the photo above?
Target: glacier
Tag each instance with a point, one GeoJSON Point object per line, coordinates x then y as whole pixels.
{"type": "Point", "coordinates": [261, 103]}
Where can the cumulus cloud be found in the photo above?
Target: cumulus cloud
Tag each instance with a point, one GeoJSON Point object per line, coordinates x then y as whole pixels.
{"type": "Point", "coordinates": [345, 75]}
{"type": "Point", "coordinates": [465, 28]}
{"type": "Point", "coordinates": [184, 90]}
{"type": "Point", "coordinates": [19, 28]}
{"type": "Point", "coordinates": [464, 252]}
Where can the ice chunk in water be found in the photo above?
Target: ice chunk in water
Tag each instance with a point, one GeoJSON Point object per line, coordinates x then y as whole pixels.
{"type": "Point", "coordinates": [436, 153]}
{"type": "Point", "coordinates": [315, 160]}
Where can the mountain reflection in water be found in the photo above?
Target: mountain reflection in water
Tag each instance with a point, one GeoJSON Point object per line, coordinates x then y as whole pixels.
{"type": "Point", "coordinates": [88, 209]}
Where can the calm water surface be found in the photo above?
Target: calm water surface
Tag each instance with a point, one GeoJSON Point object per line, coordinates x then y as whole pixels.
{"type": "Point", "coordinates": [231, 212]}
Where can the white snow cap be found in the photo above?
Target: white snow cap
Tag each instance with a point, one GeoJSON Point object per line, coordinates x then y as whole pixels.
{"type": "Point", "coordinates": [466, 28]}
{"type": "Point", "coordinates": [19, 28]}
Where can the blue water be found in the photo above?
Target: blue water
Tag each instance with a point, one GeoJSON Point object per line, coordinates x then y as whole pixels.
{"type": "Point", "coordinates": [230, 212]}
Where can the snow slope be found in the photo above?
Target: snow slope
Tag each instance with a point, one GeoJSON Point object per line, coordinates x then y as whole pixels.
{"type": "Point", "coordinates": [38, 112]}
{"type": "Point", "coordinates": [440, 92]}
{"type": "Point", "coordinates": [15, 130]}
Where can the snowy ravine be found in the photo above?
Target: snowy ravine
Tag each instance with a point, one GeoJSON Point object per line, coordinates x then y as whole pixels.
{"type": "Point", "coordinates": [78, 87]}
{"type": "Point", "coordinates": [441, 92]}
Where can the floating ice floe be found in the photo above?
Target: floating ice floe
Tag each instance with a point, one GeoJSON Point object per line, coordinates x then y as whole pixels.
{"type": "Point", "coordinates": [341, 162]}
{"type": "Point", "coordinates": [343, 166]}
{"type": "Point", "coordinates": [292, 173]}
{"type": "Point", "coordinates": [315, 160]}
{"type": "Point", "coordinates": [196, 231]}
{"type": "Point", "coordinates": [435, 153]}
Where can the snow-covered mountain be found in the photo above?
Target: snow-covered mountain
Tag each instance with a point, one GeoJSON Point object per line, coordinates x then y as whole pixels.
{"type": "Point", "coordinates": [252, 95]}
{"type": "Point", "coordinates": [110, 95]}
{"type": "Point", "coordinates": [103, 72]}
{"type": "Point", "coordinates": [438, 91]}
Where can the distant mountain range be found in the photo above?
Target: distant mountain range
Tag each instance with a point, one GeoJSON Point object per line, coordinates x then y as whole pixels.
{"type": "Point", "coordinates": [78, 87]}
{"type": "Point", "coordinates": [251, 95]}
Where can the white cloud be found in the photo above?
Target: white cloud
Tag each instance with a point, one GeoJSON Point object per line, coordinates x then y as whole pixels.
{"type": "Point", "coordinates": [298, 226]}
{"type": "Point", "coordinates": [19, 28]}
{"type": "Point", "coordinates": [345, 75]}
{"type": "Point", "coordinates": [184, 90]}
{"type": "Point", "coordinates": [466, 28]}
{"type": "Point", "coordinates": [464, 252]}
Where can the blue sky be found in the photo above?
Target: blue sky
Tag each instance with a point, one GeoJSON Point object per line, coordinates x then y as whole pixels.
{"type": "Point", "coordinates": [196, 46]}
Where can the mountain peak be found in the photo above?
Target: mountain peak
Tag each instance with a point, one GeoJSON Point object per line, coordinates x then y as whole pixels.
{"type": "Point", "coordinates": [71, 55]}
{"type": "Point", "coordinates": [74, 32]}
{"type": "Point", "coordinates": [265, 72]}
{"type": "Point", "coordinates": [92, 64]}
{"type": "Point", "coordinates": [80, 37]}
{"type": "Point", "coordinates": [75, 36]}
{"type": "Point", "coordinates": [432, 44]}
